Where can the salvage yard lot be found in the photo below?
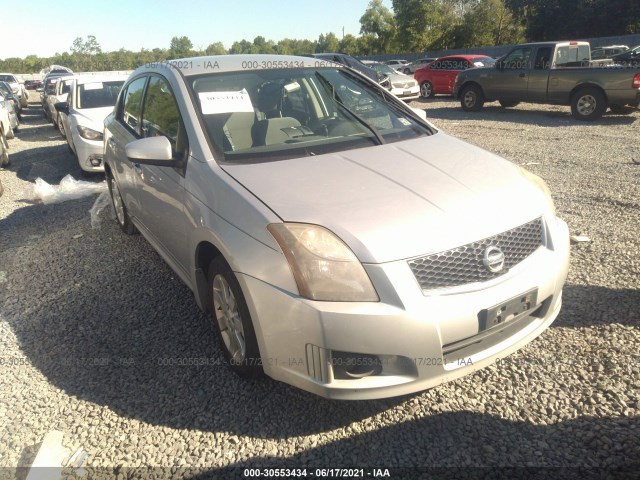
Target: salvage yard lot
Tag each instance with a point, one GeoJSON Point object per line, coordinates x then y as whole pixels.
{"type": "Point", "coordinates": [100, 340]}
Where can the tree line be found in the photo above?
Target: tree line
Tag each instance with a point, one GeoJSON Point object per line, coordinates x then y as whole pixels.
{"type": "Point", "coordinates": [412, 26]}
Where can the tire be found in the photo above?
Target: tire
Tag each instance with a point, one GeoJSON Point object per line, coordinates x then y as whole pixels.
{"type": "Point", "coordinates": [122, 217]}
{"type": "Point", "coordinates": [621, 109]}
{"type": "Point", "coordinates": [407, 71]}
{"type": "Point", "coordinates": [426, 90]}
{"type": "Point", "coordinates": [232, 321]}
{"type": "Point", "coordinates": [588, 104]}
{"type": "Point", "coordinates": [61, 128]}
{"type": "Point", "coordinates": [471, 98]}
{"type": "Point", "coordinates": [506, 104]}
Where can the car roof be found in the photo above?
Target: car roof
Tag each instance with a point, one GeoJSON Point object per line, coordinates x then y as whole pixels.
{"type": "Point", "coordinates": [465, 56]}
{"type": "Point", "coordinates": [234, 63]}
{"type": "Point", "coordinates": [82, 79]}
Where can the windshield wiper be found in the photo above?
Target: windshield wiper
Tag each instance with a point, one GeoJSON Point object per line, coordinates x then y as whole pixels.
{"type": "Point", "coordinates": [339, 101]}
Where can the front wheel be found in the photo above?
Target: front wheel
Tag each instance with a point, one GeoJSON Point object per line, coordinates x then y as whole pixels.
{"type": "Point", "coordinates": [426, 90]}
{"type": "Point", "coordinates": [472, 98]}
{"type": "Point", "coordinates": [232, 320]}
{"type": "Point", "coordinates": [122, 216]}
{"type": "Point", "coordinates": [588, 104]}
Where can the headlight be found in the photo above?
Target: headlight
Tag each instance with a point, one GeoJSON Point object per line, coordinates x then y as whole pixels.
{"type": "Point", "coordinates": [323, 266]}
{"type": "Point", "coordinates": [89, 133]}
{"type": "Point", "coordinates": [541, 185]}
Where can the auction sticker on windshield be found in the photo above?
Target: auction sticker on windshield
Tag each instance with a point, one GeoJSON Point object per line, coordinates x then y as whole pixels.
{"type": "Point", "coordinates": [225, 102]}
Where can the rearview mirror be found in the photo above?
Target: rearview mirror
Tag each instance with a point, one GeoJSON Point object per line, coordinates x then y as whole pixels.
{"type": "Point", "coordinates": [151, 151]}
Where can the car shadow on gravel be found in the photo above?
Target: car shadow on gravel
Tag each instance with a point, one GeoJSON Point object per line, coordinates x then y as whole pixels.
{"type": "Point", "coordinates": [440, 446]}
{"type": "Point", "coordinates": [496, 113]}
{"type": "Point", "coordinates": [103, 318]}
{"type": "Point", "coordinates": [586, 305]}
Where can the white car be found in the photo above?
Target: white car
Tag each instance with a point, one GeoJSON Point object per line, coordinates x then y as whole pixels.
{"type": "Point", "coordinates": [340, 241]}
{"type": "Point", "coordinates": [91, 98]}
{"type": "Point", "coordinates": [8, 118]}
{"type": "Point", "coordinates": [5, 128]}
{"type": "Point", "coordinates": [62, 88]}
{"type": "Point", "coordinates": [18, 88]}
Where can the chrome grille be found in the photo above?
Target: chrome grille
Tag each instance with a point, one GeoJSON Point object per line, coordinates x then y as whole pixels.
{"type": "Point", "coordinates": [463, 265]}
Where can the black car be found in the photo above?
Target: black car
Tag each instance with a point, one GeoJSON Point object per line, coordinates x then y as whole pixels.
{"type": "Point", "coordinates": [356, 64]}
{"type": "Point", "coordinates": [630, 58]}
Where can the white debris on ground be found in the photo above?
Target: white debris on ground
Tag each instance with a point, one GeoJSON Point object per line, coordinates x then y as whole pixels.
{"type": "Point", "coordinates": [68, 189]}
{"type": "Point", "coordinates": [103, 201]}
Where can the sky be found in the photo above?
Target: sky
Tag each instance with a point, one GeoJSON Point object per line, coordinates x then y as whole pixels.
{"type": "Point", "coordinates": [44, 28]}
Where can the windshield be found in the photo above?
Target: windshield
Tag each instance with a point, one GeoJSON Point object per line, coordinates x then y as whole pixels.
{"type": "Point", "coordinates": [8, 78]}
{"type": "Point", "coordinates": [274, 114]}
{"type": "Point", "coordinates": [484, 62]}
{"type": "Point", "coordinates": [384, 69]}
{"type": "Point", "coordinates": [98, 94]}
{"type": "Point", "coordinates": [5, 89]}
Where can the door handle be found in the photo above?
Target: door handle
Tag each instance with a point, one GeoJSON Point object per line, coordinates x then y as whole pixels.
{"type": "Point", "coordinates": [522, 75]}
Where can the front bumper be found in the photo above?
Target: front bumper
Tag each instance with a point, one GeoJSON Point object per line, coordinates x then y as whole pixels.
{"type": "Point", "coordinates": [410, 93]}
{"type": "Point", "coordinates": [411, 336]}
{"type": "Point", "coordinates": [89, 154]}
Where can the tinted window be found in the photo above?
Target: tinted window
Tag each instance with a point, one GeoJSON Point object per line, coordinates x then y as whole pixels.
{"type": "Point", "coordinates": [132, 106]}
{"type": "Point", "coordinates": [542, 58]}
{"type": "Point", "coordinates": [161, 116]}
{"type": "Point", "coordinates": [98, 94]}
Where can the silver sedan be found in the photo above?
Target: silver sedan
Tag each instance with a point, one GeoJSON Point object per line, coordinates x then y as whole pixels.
{"type": "Point", "coordinates": [341, 242]}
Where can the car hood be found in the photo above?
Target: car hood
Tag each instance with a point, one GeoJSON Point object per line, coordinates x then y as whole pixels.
{"type": "Point", "coordinates": [399, 200]}
{"type": "Point", "coordinates": [92, 117]}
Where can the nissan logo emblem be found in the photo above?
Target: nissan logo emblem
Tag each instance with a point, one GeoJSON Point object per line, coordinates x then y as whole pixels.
{"type": "Point", "coordinates": [493, 259]}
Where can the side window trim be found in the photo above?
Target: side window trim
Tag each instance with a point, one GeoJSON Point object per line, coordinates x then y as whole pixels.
{"type": "Point", "coordinates": [121, 105]}
{"type": "Point", "coordinates": [181, 125]}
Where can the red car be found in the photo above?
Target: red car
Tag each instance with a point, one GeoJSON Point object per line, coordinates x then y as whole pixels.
{"type": "Point", "coordinates": [439, 76]}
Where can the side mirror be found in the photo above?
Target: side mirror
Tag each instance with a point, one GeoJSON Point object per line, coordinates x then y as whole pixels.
{"type": "Point", "coordinates": [151, 151]}
{"type": "Point", "coordinates": [62, 107]}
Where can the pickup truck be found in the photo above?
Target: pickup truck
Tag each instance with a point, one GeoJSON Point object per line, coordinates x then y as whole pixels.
{"type": "Point", "coordinates": [558, 73]}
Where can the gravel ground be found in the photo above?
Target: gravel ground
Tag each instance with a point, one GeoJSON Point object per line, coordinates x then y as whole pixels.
{"type": "Point", "coordinates": [93, 324]}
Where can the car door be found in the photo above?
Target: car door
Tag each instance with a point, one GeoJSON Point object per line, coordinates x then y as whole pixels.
{"type": "Point", "coordinates": [123, 129]}
{"type": "Point", "coordinates": [539, 74]}
{"type": "Point", "coordinates": [510, 78]}
{"type": "Point", "coordinates": [160, 189]}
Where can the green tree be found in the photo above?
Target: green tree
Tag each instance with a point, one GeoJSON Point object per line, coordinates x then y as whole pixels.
{"type": "Point", "coordinates": [216, 48]}
{"type": "Point", "coordinates": [180, 47]}
{"type": "Point", "coordinates": [349, 45]}
{"type": "Point", "coordinates": [489, 22]}
{"type": "Point", "coordinates": [419, 23]}
{"type": "Point", "coordinates": [327, 43]}
{"type": "Point", "coordinates": [379, 22]}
